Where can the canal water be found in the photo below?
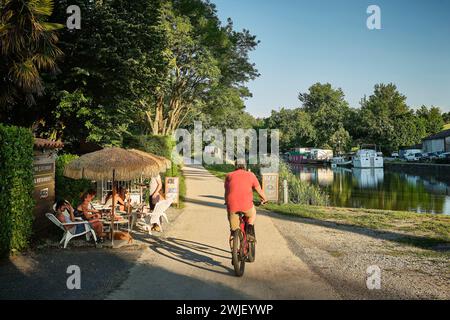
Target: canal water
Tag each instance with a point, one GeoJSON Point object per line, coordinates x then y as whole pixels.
{"type": "Point", "coordinates": [379, 188]}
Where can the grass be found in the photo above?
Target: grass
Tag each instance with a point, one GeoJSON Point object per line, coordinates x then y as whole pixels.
{"type": "Point", "coordinates": [447, 126]}
{"type": "Point", "coordinates": [420, 230]}
{"type": "Point", "coordinates": [219, 170]}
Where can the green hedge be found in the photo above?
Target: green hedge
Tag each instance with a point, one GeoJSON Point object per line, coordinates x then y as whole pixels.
{"type": "Point", "coordinates": [159, 145]}
{"type": "Point", "coordinates": [66, 188]}
{"type": "Point", "coordinates": [16, 188]}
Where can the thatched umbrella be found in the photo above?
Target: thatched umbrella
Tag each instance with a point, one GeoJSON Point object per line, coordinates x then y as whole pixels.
{"type": "Point", "coordinates": [163, 163]}
{"type": "Point", "coordinates": [121, 164]}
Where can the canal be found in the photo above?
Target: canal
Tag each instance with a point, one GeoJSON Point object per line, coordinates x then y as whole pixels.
{"type": "Point", "coordinates": [380, 188]}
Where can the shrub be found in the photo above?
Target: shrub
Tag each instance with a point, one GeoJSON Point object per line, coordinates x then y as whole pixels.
{"type": "Point", "coordinates": [299, 191]}
{"type": "Point", "coordinates": [66, 188]}
{"type": "Point", "coordinates": [16, 188]}
{"type": "Point", "coordinates": [159, 145]}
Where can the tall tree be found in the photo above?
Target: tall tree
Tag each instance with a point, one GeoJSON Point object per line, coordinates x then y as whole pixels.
{"type": "Point", "coordinates": [328, 110]}
{"type": "Point", "coordinates": [113, 62]}
{"type": "Point", "coordinates": [208, 68]}
{"type": "Point", "coordinates": [386, 119]}
{"type": "Point", "coordinates": [295, 127]}
{"type": "Point", "coordinates": [28, 47]}
{"type": "Point", "coordinates": [432, 118]}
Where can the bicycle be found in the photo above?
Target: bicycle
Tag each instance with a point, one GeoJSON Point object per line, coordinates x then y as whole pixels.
{"type": "Point", "coordinates": [242, 250]}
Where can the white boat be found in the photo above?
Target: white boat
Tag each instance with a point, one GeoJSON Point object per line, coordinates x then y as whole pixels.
{"type": "Point", "coordinates": [340, 161]}
{"type": "Point", "coordinates": [368, 158]}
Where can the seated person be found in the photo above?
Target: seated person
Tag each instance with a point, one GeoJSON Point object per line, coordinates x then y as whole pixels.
{"type": "Point", "coordinates": [64, 213]}
{"type": "Point", "coordinates": [121, 199]}
{"type": "Point", "coordinates": [84, 211]}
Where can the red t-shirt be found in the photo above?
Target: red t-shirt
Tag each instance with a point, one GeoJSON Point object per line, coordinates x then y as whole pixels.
{"type": "Point", "coordinates": [239, 186]}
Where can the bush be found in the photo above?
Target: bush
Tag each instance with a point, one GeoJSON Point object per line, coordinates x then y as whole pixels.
{"type": "Point", "coordinates": [66, 188]}
{"type": "Point", "coordinates": [16, 188]}
{"type": "Point", "coordinates": [159, 145]}
{"type": "Point", "coordinates": [299, 191]}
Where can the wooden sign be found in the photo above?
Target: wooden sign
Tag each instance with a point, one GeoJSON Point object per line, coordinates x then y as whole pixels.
{"type": "Point", "coordinates": [172, 189]}
{"type": "Point", "coordinates": [270, 186]}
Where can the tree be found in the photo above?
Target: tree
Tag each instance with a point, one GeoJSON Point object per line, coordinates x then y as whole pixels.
{"type": "Point", "coordinates": [433, 120]}
{"type": "Point", "coordinates": [208, 66]}
{"type": "Point", "coordinates": [340, 141]}
{"type": "Point", "coordinates": [328, 110]}
{"type": "Point", "coordinates": [295, 127]}
{"type": "Point", "coordinates": [113, 62]}
{"type": "Point", "coordinates": [28, 47]}
{"type": "Point", "coordinates": [386, 119]}
{"type": "Point", "coordinates": [446, 117]}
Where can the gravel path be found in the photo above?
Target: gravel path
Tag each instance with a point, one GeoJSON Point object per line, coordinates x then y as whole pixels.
{"type": "Point", "coordinates": [342, 254]}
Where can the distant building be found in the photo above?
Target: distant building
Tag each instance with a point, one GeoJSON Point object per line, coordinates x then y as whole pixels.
{"type": "Point", "coordinates": [439, 142]}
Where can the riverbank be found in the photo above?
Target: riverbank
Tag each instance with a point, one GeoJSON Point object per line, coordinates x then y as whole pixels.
{"type": "Point", "coordinates": [425, 231]}
{"type": "Point", "coordinates": [421, 230]}
{"type": "Point", "coordinates": [441, 172]}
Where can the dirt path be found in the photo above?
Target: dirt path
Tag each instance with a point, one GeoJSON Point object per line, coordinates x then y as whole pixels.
{"type": "Point", "coordinates": [193, 261]}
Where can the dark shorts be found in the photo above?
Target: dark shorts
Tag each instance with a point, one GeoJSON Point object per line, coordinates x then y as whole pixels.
{"type": "Point", "coordinates": [154, 201]}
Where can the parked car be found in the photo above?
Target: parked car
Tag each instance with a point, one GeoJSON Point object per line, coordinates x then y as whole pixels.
{"type": "Point", "coordinates": [444, 155]}
{"type": "Point", "coordinates": [395, 155]}
{"type": "Point", "coordinates": [433, 156]}
{"type": "Point", "coordinates": [411, 157]}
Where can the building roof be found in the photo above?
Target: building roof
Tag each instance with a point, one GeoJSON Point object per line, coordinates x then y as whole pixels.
{"type": "Point", "coordinates": [439, 135]}
{"type": "Point", "coordinates": [47, 144]}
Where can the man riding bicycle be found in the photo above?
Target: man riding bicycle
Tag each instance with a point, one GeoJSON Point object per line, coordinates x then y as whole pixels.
{"type": "Point", "coordinates": [239, 186]}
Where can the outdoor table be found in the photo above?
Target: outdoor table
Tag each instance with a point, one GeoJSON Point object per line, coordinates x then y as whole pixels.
{"type": "Point", "coordinates": [116, 222]}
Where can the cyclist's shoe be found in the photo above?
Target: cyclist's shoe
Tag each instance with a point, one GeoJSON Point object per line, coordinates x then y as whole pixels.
{"type": "Point", "coordinates": [251, 233]}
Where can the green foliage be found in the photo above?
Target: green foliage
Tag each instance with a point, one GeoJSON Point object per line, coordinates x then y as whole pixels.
{"type": "Point", "coordinates": [433, 119]}
{"type": "Point", "coordinates": [295, 127]}
{"type": "Point", "coordinates": [110, 65]}
{"type": "Point", "coordinates": [66, 188]}
{"type": "Point", "coordinates": [300, 192]}
{"type": "Point", "coordinates": [16, 188]}
{"type": "Point", "coordinates": [27, 48]}
{"type": "Point", "coordinates": [387, 121]}
{"type": "Point", "coordinates": [328, 110]}
{"type": "Point", "coordinates": [159, 145]}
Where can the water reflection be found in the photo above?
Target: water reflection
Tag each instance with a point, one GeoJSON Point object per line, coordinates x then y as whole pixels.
{"type": "Point", "coordinates": [379, 189]}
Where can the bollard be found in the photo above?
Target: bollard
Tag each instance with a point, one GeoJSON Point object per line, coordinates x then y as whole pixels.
{"type": "Point", "coordinates": [285, 190]}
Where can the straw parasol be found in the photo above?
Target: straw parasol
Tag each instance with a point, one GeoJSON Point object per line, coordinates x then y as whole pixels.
{"type": "Point", "coordinates": [118, 163]}
{"type": "Point", "coordinates": [163, 163]}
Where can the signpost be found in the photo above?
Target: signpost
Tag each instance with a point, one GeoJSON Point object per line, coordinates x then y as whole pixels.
{"type": "Point", "coordinates": [172, 189]}
{"type": "Point", "coordinates": [270, 186]}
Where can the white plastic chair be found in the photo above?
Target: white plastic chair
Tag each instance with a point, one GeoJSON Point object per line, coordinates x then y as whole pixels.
{"type": "Point", "coordinates": [67, 233]}
{"type": "Point", "coordinates": [159, 212]}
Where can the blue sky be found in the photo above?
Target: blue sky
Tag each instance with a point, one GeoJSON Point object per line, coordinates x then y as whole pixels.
{"type": "Point", "coordinates": [304, 42]}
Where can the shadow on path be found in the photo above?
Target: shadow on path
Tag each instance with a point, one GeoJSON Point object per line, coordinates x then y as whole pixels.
{"type": "Point", "coordinates": [192, 253]}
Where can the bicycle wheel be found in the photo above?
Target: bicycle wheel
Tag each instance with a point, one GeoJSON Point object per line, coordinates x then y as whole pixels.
{"type": "Point", "coordinates": [251, 252]}
{"type": "Point", "coordinates": [238, 253]}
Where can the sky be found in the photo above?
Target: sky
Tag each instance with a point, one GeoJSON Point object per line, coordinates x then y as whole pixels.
{"type": "Point", "coordinates": [309, 41]}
